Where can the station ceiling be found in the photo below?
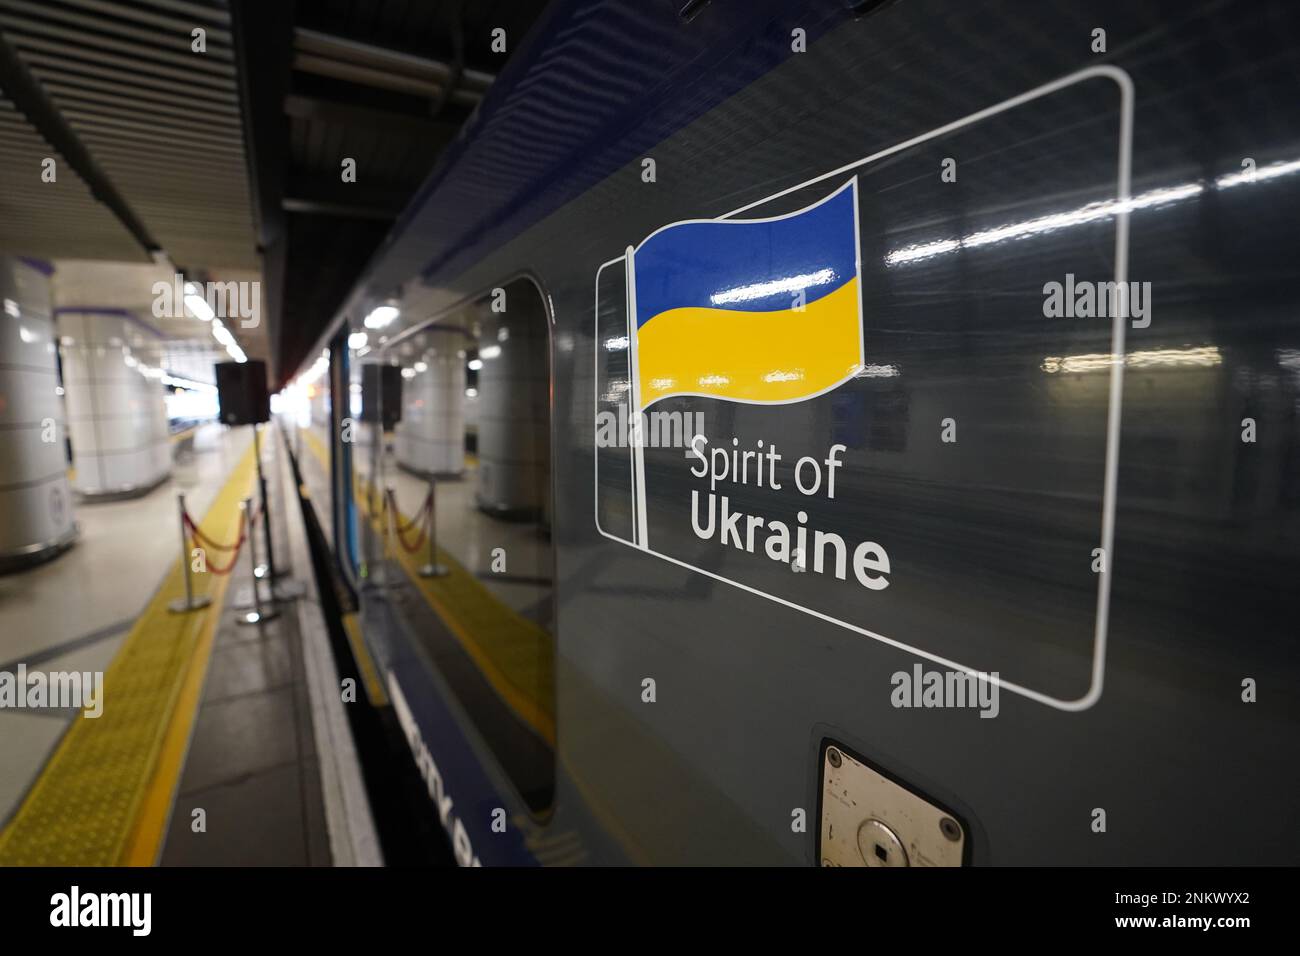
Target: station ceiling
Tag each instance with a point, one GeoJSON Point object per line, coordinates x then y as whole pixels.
{"type": "Point", "coordinates": [146, 136]}
{"type": "Point", "coordinates": [386, 83]}
{"type": "Point", "coordinates": [227, 163]}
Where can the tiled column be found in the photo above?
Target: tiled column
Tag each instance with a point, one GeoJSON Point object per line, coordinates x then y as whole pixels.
{"type": "Point", "coordinates": [430, 438]}
{"type": "Point", "coordinates": [36, 518]}
{"type": "Point", "coordinates": [117, 416]}
{"type": "Point", "coordinates": [514, 413]}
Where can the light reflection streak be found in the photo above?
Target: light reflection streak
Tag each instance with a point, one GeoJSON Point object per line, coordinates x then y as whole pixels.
{"type": "Point", "coordinates": [760, 290]}
{"type": "Point", "coordinates": [1203, 357]}
{"type": "Point", "coordinates": [1091, 212]}
{"type": "Point", "coordinates": [878, 371]}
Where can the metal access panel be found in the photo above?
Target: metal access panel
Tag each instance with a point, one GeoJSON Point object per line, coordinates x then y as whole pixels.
{"type": "Point", "coordinates": [868, 819]}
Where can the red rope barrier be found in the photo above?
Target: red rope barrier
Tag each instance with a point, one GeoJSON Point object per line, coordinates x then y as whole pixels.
{"type": "Point", "coordinates": [203, 539]}
{"type": "Point", "coordinates": [416, 519]}
{"type": "Point", "coordinates": [245, 522]}
{"type": "Point", "coordinates": [411, 548]}
{"type": "Point", "coordinates": [234, 556]}
{"type": "Point", "coordinates": [416, 522]}
{"type": "Point", "coordinates": [198, 532]}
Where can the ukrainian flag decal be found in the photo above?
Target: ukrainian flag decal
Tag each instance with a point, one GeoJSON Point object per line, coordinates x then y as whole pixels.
{"type": "Point", "coordinates": [763, 311]}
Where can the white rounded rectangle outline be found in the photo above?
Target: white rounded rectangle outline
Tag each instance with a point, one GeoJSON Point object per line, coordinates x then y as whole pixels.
{"type": "Point", "coordinates": [1122, 199]}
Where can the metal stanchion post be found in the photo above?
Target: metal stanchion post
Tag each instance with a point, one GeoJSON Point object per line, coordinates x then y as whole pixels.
{"type": "Point", "coordinates": [389, 518]}
{"type": "Point", "coordinates": [283, 589]}
{"type": "Point", "coordinates": [257, 615]}
{"type": "Point", "coordinates": [267, 570]}
{"type": "Point", "coordinates": [191, 603]}
{"type": "Point", "coordinates": [432, 569]}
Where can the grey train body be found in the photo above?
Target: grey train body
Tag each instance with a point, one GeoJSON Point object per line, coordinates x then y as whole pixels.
{"type": "Point", "coordinates": [982, 448]}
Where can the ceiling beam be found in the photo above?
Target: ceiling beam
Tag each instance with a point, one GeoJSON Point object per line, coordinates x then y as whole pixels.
{"type": "Point", "coordinates": [313, 42]}
{"type": "Point", "coordinates": [377, 77]}
{"type": "Point", "coordinates": [328, 197]}
{"type": "Point", "coordinates": [30, 99]}
{"type": "Point", "coordinates": [334, 111]}
{"type": "Point", "coordinates": [263, 38]}
{"type": "Point", "coordinates": [352, 209]}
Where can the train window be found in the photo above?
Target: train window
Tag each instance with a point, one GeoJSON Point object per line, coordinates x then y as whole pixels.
{"type": "Point", "coordinates": [455, 440]}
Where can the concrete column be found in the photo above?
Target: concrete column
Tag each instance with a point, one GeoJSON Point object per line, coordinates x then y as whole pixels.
{"type": "Point", "coordinates": [514, 440]}
{"type": "Point", "coordinates": [430, 438]}
{"type": "Point", "coordinates": [117, 416]}
{"type": "Point", "coordinates": [36, 517]}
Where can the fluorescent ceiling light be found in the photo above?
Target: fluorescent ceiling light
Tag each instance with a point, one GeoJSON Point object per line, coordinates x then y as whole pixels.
{"type": "Point", "coordinates": [198, 307]}
{"type": "Point", "coordinates": [381, 316]}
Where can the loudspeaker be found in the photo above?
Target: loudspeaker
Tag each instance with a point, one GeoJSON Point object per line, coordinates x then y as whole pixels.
{"type": "Point", "coordinates": [381, 389]}
{"type": "Point", "coordinates": [241, 389]}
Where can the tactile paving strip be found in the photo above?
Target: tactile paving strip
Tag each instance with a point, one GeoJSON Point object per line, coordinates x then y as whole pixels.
{"type": "Point", "coordinates": [89, 805]}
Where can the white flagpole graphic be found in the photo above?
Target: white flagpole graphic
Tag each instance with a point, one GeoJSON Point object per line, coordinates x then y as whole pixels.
{"type": "Point", "coordinates": [636, 438]}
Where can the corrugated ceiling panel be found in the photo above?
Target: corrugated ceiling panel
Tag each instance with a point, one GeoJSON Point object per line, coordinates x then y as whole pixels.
{"type": "Point", "coordinates": [161, 120]}
{"type": "Point", "coordinates": [51, 220]}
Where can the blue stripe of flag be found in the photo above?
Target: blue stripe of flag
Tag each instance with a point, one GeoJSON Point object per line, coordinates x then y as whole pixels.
{"type": "Point", "coordinates": [730, 263]}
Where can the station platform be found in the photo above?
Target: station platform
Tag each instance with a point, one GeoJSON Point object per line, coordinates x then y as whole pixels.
{"type": "Point", "coordinates": [217, 743]}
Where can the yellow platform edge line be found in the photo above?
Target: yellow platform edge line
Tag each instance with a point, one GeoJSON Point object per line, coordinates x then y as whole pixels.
{"type": "Point", "coordinates": [375, 691]}
{"type": "Point", "coordinates": [515, 697]}
{"type": "Point", "coordinates": [527, 709]}
{"type": "Point", "coordinates": [533, 714]}
{"type": "Point", "coordinates": [140, 839]}
{"type": "Point", "coordinates": [154, 809]}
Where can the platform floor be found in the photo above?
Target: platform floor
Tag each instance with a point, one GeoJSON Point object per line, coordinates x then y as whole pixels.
{"type": "Point", "coordinates": [73, 613]}
{"type": "Point", "coordinates": [251, 774]}
{"type": "Point", "coordinates": [206, 752]}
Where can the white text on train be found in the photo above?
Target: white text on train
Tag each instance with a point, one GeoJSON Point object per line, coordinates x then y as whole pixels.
{"type": "Point", "coordinates": [829, 553]}
{"type": "Point", "coordinates": [460, 842]}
